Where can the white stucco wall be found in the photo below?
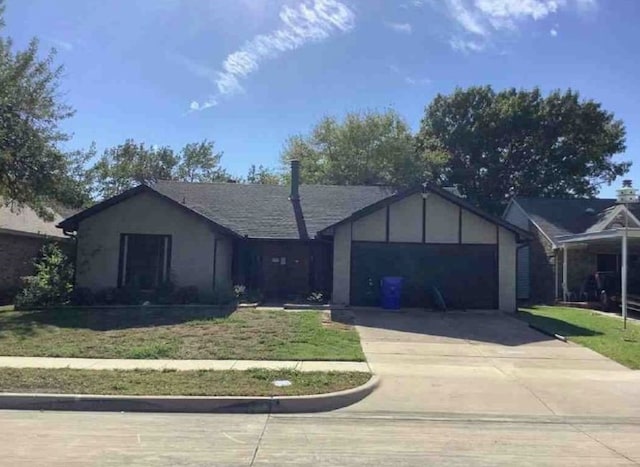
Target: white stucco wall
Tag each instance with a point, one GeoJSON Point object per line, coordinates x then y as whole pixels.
{"type": "Point", "coordinates": [405, 220]}
{"type": "Point", "coordinates": [475, 229]}
{"type": "Point", "coordinates": [507, 270]}
{"type": "Point", "coordinates": [191, 251]}
{"type": "Point", "coordinates": [441, 221]}
{"type": "Point", "coordinates": [341, 264]}
{"type": "Point", "coordinates": [371, 228]}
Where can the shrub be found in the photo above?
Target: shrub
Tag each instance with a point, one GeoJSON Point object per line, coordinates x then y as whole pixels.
{"type": "Point", "coordinates": [185, 295]}
{"type": "Point", "coordinates": [82, 296]}
{"type": "Point", "coordinates": [105, 296]}
{"type": "Point", "coordinates": [316, 297]}
{"type": "Point", "coordinates": [128, 296]}
{"type": "Point", "coordinates": [221, 296]}
{"type": "Point", "coordinates": [52, 282]}
{"type": "Point", "coordinates": [240, 292]}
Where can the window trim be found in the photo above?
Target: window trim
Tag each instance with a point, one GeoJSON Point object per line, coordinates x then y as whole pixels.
{"type": "Point", "coordinates": [122, 259]}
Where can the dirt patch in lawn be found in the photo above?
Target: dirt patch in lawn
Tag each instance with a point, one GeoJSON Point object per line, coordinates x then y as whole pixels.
{"type": "Point", "coordinates": [178, 333]}
{"type": "Point", "coordinates": [255, 382]}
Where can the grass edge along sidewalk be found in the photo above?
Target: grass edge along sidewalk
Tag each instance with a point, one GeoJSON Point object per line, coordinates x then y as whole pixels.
{"type": "Point", "coordinates": [591, 329]}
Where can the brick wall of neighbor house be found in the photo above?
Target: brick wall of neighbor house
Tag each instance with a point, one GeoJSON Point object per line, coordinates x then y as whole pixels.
{"type": "Point", "coordinates": [17, 253]}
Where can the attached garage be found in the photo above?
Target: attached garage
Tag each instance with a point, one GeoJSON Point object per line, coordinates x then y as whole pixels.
{"type": "Point", "coordinates": [432, 239]}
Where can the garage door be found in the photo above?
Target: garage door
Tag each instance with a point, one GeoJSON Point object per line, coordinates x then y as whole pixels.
{"type": "Point", "coordinates": [466, 275]}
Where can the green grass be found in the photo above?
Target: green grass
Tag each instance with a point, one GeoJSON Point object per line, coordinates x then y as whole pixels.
{"type": "Point", "coordinates": [177, 333]}
{"type": "Point", "coordinates": [601, 333]}
{"type": "Point", "coordinates": [255, 382]}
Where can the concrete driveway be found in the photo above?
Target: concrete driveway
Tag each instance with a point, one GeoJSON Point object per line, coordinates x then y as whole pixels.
{"type": "Point", "coordinates": [487, 363]}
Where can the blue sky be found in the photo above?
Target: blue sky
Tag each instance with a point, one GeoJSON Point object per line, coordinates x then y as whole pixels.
{"type": "Point", "coordinates": [250, 73]}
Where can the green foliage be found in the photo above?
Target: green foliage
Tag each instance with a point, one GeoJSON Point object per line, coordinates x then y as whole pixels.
{"type": "Point", "coordinates": [52, 282]}
{"type": "Point", "coordinates": [519, 142]}
{"type": "Point", "coordinates": [33, 169]}
{"type": "Point", "coordinates": [264, 176]}
{"type": "Point", "coordinates": [130, 164]}
{"type": "Point", "coordinates": [364, 149]}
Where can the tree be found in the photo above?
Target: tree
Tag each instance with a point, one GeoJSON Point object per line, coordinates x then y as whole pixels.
{"type": "Point", "coordinates": [130, 164]}
{"type": "Point", "coordinates": [263, 176]}
{"type": "Point", "coordinates": [519, 142]}
{"type": "Point", "coordinates": [33, 170]}
{"type": "Point", "coordinates": [199, 163]}
{"type": "Point", "coordinates": [365, 149]}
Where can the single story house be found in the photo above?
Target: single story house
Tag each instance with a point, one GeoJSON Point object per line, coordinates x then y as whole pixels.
{"type": "Point", "coordinates": [291, 241]}
{"type": "Point", "coordinates": [584, 234]}
{"type": "Point", "coordinates": [22, 234]}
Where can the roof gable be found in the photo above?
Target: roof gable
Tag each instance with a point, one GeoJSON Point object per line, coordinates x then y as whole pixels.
{"type": "Point", "coordinates": [429, 188]}
{"type": "Point", "coordinates": [565, 216]}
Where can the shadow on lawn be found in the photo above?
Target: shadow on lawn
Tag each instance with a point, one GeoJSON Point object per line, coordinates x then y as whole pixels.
{"type": "Point", "coordinates": [556, 326]}
{"type": "Point", "coordinates": [108, 319]}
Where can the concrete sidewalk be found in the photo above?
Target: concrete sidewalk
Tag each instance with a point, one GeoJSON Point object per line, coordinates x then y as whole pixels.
{"type": "Point", "coordinates": [179, 365]}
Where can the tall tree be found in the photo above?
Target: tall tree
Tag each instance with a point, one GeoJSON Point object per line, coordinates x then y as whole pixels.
{"type": "Point", "coordinates": [130, 164]}
{"type": "Point", "coordinates": [263, 176]}
{"type": "Point", "coordinates": [33, 169]}
{"type": "Point", "coordinates": [519, 142]}
{"type": "Point", "coordinates": [364, 149]}
{"type": "Point", "coordinates": [200, 163]}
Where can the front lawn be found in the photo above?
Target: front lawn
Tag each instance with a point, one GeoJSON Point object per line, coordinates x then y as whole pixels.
{"type": "Point", "coordinates": [256, 382]}
{"type": "Point", "coordinates": [601, 333]}
{"type": "Point", "coordinates": [177, 333]}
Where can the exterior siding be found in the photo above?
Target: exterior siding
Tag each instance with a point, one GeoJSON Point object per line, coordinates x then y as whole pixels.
{"type": "Point", "coordinates": [192, 243]}
{"type": "Point", "coordinates": [506, 270]}
{"type": "Point", "coordinates": [475, 229]}
{"type": "Point", "coordinates": [341, 264]}
{"type": "Point", "coordinates": [442, 221]}
{"type": "Point", "coordinates": [405, 220]}
{"type": "Point", "coordinates": [542, 268]}
{"type": "Point", "coordinates": [371, 228]}
{"type": "Point", "coordinates": [445, 223]}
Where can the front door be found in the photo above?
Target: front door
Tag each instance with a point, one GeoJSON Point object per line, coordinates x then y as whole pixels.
{"type": "Point", "coordinates": [285, 268]}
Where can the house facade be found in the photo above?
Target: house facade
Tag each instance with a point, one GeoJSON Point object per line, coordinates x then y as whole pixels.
{"type": "Point", "coordinates": [581, 236]}
{"type": "Point", "coordinates": [22, 235]}
{"type": "Point", "coordinates": [290, 241]}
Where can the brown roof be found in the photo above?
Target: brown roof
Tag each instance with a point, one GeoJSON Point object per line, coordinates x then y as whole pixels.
{"type": "Point", "coordinates": [25, 221]}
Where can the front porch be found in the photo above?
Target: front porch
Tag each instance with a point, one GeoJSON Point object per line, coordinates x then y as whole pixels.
{"type": "Point", "coordinates": [601, 269]}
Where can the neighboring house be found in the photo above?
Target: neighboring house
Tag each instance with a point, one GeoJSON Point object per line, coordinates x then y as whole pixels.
{"type": "Point", "coordinates": [590, 230]}
{"type": "Point", "coordinates": [290, 241]}
{"type": "Point", "coordinates": [22, 234]}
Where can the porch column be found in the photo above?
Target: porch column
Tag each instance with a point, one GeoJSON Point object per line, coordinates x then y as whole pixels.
{"type": "Point", "coordinates": [623, 288]}
{"type": "Point", "coordinates": [565, 273]}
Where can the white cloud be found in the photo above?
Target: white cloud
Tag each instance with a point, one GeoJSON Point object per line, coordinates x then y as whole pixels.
{"type": "Point", "coordinates": [553, 32]}
{"type": "Point", "coordinates": [404, 28]}
{"type": "Point", "coordinates": [466, 46]}
{"type": "Point", "coordinates": [308, 22]}
{"type": "Point", "coordinates": [408, 79]}
{"type": "Point", "coordinates": [61, 45]}
{"type": "Point", "coordinates": [478, 21]}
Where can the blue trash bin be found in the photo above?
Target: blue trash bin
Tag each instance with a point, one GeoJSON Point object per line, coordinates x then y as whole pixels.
{"type": "Point", "coordinates": [391, 288]}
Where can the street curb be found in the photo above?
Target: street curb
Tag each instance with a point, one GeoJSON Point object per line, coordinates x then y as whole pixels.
{"type": "Point", "coordinates": [190, 404]}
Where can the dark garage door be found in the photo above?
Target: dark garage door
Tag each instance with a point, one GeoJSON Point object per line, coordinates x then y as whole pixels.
{"type": "Point", "coordinates": [466, 275]}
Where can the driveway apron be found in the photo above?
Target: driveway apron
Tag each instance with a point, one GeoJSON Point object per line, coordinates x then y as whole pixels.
{"type": "Point", "coordinates": [486, 363]}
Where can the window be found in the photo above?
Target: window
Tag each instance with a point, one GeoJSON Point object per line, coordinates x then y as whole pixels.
{"type": "Point", "coordinates": [145, 260]}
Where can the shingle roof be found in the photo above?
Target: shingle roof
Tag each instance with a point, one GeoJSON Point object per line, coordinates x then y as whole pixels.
{"type": "Point", "coordinates": [26, 221]}
{"type": "Point", "coordinates": [559, 216]}
{"type": "Point", "coordinates": [265, 211]}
